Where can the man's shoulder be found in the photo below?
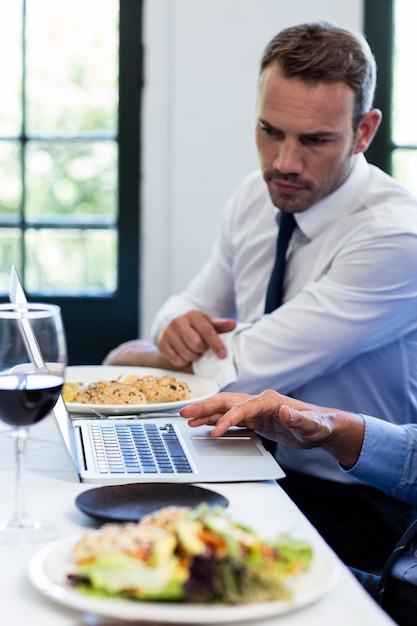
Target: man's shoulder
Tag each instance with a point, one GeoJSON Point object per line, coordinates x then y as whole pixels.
{"type": "Point", "coordinates": [382, 186]}
{"type": "Point", "coordinates": [386, 204]}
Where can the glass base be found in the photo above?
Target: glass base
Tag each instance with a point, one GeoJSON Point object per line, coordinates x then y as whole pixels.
{"type": "Point", "coordinates": [26, 532]}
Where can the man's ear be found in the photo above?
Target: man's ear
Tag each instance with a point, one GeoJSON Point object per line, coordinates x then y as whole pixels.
{"type": "Point", "coordinates": [367, 128]}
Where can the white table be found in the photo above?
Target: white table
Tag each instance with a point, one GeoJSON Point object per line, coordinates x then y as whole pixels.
{"type": "Point", "coordinates": [51, 494]}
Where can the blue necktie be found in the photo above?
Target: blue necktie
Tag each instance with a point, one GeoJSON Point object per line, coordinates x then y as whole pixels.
{"type": "Point", "coordinates": [274, 294]}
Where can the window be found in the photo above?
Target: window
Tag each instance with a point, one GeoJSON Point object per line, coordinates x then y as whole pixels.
{"type": "Point", "coordinates": [69, 155]}
{"type": "Point", "coordinates": [389, 26]}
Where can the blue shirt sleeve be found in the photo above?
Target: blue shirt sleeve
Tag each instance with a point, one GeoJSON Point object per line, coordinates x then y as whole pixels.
{"type": "Point", "coordinates": [388, 459]}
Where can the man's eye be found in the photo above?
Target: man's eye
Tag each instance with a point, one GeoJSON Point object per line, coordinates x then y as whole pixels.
{"type": "Point", "coordinates": [316, 141]}
{"type": "Point", "coordinates": [270, 131]}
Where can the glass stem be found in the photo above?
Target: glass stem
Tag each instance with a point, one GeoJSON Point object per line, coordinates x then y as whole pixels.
{"type": "Point", "coordinates": [19, 517]}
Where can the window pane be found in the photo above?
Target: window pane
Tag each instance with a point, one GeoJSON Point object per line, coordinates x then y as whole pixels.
{"type": "Point", "coordinates": [77, 180]}
{"type": "Point", "coordinates": [72, 261]}
{"type": "Point", "coordinates": [10, 188]}
{"type": "Point", "coordinates": [404, 168]}
{"type": "Point", "coordinates": [404, 128]}
{"type": "Point", "coordinates": [10, 254]}
{"type": "Point", "coordinates": [10, 67]}
{"type": "Point", "coordinates": [72, 66]}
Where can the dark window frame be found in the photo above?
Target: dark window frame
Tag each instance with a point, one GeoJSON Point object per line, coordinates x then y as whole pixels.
{"type": "Point", "coordinates": [379, 31]}
{"type": "Point", "coordinates": [95, 324]}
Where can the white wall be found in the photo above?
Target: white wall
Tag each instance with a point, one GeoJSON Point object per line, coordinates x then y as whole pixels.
{"type": "Point", "coordinates": [201, 70]}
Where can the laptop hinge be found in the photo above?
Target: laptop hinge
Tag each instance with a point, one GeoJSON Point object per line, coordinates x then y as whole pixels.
{"type": "Point", "coordinates": [79, 447]}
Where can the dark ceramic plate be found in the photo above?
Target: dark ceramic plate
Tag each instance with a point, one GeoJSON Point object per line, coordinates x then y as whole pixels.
{"type": "Point", "coordinates": [129, 503]}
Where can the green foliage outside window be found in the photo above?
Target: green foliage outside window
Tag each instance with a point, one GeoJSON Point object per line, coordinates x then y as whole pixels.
{"type": "Point", "coordinates": [58, 144]}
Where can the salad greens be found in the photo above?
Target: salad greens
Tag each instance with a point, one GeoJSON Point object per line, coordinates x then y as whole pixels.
{"type": "Point", "coordinates": [198, 555]}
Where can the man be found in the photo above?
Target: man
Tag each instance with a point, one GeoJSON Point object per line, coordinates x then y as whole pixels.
{"type": "Point", "coordinates": [346, 333]}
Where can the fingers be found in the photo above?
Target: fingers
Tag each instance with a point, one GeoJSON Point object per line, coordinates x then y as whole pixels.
{"type": "Point", "coordinates": [224, 411]}
{"type": "Point", "coordinates": [224, 325]}
{"type": "Point", "coordinates": [181, 343]}
{"type": "Point", "coordinates": [276, 416]}
{"type": "Point", "coordinates": [215, 405]}
{"type": "Point", "coordinates": [189, 336]}
{"type": "Point", "coordinates": [213, 410]}
{"type": "Point", "coordinates": [254, 412]}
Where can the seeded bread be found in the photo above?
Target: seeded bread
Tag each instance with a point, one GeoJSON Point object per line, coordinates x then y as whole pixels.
{"type": "Point", "coordinates": [161, 388]}
{"type": "Point", "coordinates": [110, 392]}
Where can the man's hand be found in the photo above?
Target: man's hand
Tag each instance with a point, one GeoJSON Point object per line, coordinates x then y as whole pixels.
{"type": "Point", "coordinates": [184, 339]}
{"type": "Point", "coordinates": [142, 354]}
{"type": "Point", "coordinates": [285, 420]}
{"type": "Point", "coordinates": [189, 336]}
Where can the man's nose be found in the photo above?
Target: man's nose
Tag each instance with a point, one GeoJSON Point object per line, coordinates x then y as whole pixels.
{"type": "Point", "coordinates": [288, 159]}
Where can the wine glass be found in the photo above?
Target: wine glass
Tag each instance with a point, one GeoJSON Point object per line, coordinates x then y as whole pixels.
{"type": "Point", "coordinates": [32, 366]}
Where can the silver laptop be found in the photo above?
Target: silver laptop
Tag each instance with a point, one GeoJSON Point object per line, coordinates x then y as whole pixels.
{"type": "Point", "coordinates": [156, 448]}
{"type": "Point", "coordinates": [160, 448]}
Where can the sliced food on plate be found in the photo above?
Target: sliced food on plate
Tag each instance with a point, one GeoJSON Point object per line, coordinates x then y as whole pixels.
{"type": "Point", "coordinates": [180, 554]}
{"type": "Point", "coordinates": [131, 389]}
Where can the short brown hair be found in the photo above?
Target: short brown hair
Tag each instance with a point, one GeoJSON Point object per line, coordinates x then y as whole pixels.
{"type": "Point", "coordinates": [320, 52]}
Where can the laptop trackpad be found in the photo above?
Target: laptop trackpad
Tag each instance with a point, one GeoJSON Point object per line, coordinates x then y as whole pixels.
{"type": "Point", "coordinates": [226, 446]}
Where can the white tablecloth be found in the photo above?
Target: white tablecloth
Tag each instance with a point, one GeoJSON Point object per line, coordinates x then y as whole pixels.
{"type": "Point", "coordinates": [50, 495]}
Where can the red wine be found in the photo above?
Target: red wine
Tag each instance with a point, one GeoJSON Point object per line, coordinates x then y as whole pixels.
{"type": "Point", "coordinates": [25, 400]}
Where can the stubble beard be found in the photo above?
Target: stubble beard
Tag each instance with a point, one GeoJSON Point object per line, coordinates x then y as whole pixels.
{"type": "Point", "coordinates": [309, 193]}
{"type": "Point", "coordinates": [288, 202]}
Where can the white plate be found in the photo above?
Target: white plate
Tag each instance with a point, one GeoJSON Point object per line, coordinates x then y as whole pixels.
{"type": "Point", "coordinates": [49, 569]}
{"type": "Point", "coordinates": [201, 388]}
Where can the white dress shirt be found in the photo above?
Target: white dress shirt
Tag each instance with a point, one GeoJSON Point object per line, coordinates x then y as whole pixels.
{"type": "Point", "coordinates": [346, 335]}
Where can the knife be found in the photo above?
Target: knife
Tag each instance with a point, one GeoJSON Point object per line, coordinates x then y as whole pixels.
{"type": "Point", "coordinates": [18, 296]}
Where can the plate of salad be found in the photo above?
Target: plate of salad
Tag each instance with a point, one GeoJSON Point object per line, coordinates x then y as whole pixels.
{"type": "Point", "coordinates": [183, 565]}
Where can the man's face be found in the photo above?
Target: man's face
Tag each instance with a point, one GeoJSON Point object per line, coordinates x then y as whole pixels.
{"type": "Point", "coordinates": [305, 138]}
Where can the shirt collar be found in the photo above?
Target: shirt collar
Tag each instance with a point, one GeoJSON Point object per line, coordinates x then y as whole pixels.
{"type": "Point", "coordinates": [329, 209]}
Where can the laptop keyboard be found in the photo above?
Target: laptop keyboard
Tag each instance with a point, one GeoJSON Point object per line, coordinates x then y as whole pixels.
{"type": "Point", "coordinates": [138, 448]}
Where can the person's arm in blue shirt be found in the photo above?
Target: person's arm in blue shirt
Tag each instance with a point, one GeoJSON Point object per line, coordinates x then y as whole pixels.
{"type": "Point", "coordinates": [388, 458]}
{"type": "Point", "coordinates": [376, 452]}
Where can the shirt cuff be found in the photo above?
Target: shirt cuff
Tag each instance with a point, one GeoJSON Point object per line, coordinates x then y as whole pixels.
{"type": "Point", "coordinates": [383, 455]}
